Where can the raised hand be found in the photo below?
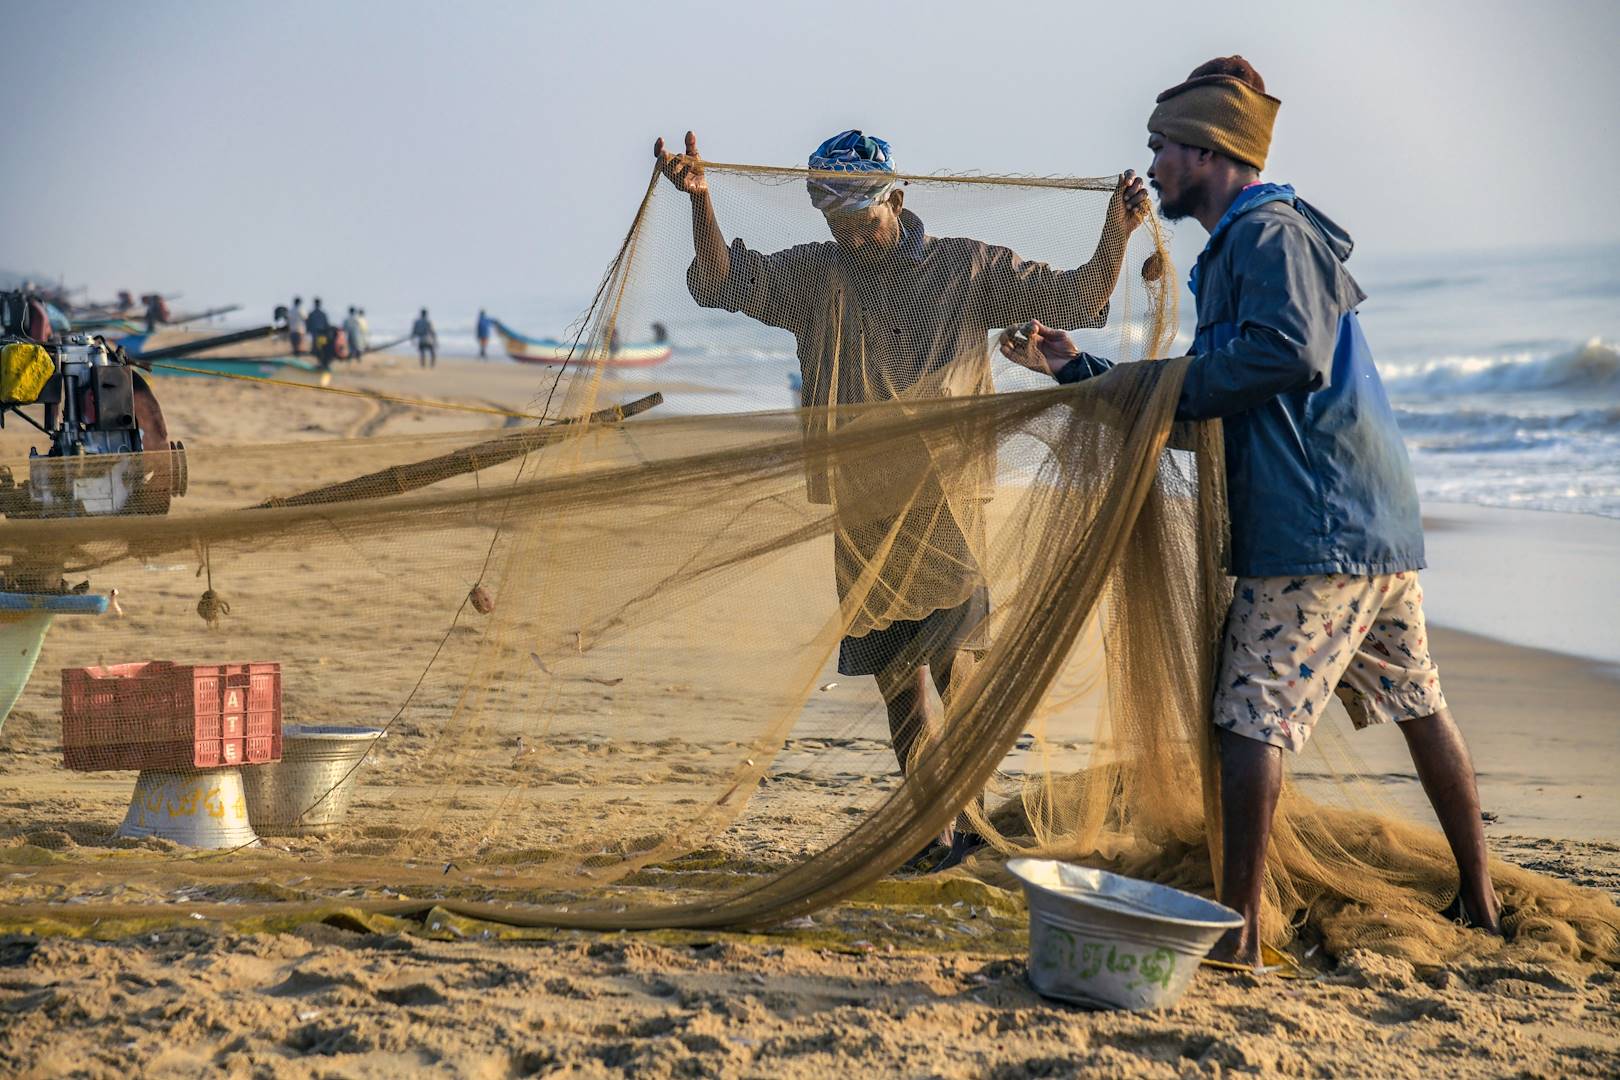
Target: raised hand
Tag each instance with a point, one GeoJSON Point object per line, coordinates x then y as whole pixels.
{"type": "Point", "coordinates": [685, 171]}
{"type": "Point", "coordinates": [1129, 205]}
{"type": "Point", "coordinates": [1038, 347]}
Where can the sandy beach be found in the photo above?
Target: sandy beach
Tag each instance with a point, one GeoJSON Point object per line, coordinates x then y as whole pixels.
{"type": "Point", "coordinates": [925, 982]}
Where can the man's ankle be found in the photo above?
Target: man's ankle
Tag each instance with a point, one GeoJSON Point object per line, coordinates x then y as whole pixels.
{"type": "Point", "coordinates": [1483, 910]}
{"type": "Point", "coordinates": [1237, 946]}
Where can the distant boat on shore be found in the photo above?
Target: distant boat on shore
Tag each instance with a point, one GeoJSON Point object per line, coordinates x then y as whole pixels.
{"type": "Point", "coordinates": [530, 350]}
{"type": "Point", "coordinates": [167, 361]}
{"type": "Point", "coordinates": [262, 366]}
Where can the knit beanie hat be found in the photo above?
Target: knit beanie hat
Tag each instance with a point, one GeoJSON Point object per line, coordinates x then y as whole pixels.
{"type": "Point", "coordinates": [1222, 106]}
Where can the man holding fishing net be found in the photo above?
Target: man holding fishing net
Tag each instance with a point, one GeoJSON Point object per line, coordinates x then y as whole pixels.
{"type": "Point", "coordinates": [881, 312]}
{"type": "Point", "coordinates": [1327, 539]}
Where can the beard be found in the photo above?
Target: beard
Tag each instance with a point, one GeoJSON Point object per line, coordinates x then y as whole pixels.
{"type": "Point", "coordinates": [1183, 205]}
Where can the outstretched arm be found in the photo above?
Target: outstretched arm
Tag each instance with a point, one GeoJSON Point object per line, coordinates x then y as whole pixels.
{"type": "Point", "coordinates": [1016, 290]}
{"type": "Point", "coordinates": [1049, 351]}
{"type": "Point", "coordinates": [1283, 340]}
{"type": "Point", "coordinates": [769, 288]}
{"type": "Point", "coordinates": [1052, 352]}
{"type": "Point", "coordinates": [685, 171]}
{"type": "Point", "coordinates": [1126, 210]}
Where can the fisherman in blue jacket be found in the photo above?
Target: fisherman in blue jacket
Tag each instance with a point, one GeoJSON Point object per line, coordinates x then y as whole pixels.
{"type": "Point", "coordinates": [1327, 538]}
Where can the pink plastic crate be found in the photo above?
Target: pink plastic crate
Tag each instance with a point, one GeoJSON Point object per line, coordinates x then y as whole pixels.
{"type": "Point", "coordinates": [161, 715]}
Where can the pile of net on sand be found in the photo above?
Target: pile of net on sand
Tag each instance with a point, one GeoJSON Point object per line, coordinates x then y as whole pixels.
{"type": "Point", "coordinates": [601, 647]}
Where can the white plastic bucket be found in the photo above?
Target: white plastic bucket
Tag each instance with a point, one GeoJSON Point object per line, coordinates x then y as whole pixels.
{"type": "Point", "coordinates": [1113, 942]}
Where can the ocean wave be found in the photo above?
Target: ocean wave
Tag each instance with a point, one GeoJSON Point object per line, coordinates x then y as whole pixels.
{"type": "Point", "coordinates": [1428, 284]}
{"type": "Point", "coordinates": [1593, 366]}
{"type": "Point", "coordinates": [1451, 421]}
{"type": "Point", "coordinates": [1491, 444]}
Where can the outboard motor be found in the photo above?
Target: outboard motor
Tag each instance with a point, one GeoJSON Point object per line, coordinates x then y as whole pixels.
{"type": "Point", "coordinates": [108, 449]}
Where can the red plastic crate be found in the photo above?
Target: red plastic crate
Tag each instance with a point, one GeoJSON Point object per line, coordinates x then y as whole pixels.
{"type": "Point", "coordinates": [161, 715]}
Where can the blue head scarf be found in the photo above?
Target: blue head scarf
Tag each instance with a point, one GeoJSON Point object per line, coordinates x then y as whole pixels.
{"type": "Point", "coordinates": [870, 166]}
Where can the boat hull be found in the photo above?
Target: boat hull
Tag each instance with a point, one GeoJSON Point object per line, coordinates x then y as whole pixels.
{"type": "Point", "coordinates": [623, 357]}
{"type": "Point", "coordinates": [24, 620]}
{"type": "Point", "coordinates": [263, 367]}
{"type": "Point", "coordinates": [527, 350]}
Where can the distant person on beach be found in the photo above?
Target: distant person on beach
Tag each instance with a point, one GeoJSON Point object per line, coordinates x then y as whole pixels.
{"type": "Point", "coordinates": [660, 333]}
{"type": "Point", "coordinates": [353, 331]}
{"type": "Point", "coordinates": [427, 342]}
{"type": "Point", "coordinates": [1326, 535]}
{"type": "Point", "coordinates": [879, 270]}
{"type": "Point", "coordinates": [156, 313]}
{"type": "Point", "coordinates": [295, 326]}
{"type": "Point", "coordinates": [321, 339]}
{"type": "Point", "coordinates": [365, 331]}
{"type": "Point", "coordinates": [484, 327]}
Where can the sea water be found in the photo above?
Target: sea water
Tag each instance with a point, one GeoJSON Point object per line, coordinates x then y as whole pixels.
{"type": "Point", "coordinates": [1503, 368]}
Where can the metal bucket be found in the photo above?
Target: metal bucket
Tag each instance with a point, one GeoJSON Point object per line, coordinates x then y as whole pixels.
{"type": "Point", "coordinates": [1114, 942]}
{"type": "Point", "coordinates": [308, 792]}
{"type": "Point", "coordinates": [204, 809]}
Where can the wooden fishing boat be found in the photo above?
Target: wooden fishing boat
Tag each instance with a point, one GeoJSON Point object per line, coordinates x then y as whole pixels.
{"type": "Point", "coordinates": [262, 366]}
{"type": "Point", "coordinates": [197, 356]}
{"type": "Point", "coordinates": [530, 350]}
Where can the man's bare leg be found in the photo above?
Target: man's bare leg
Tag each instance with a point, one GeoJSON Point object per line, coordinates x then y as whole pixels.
{"type": "Point", "coordinates": [912, 718]}
{"type": "Point", "coordinates": [1251, 780]}
{"type": "Point", "coordinates": [905, 696]}
{"type": "Point", "coordinates": [961, 838]}
{"type": "Point", "coordinates": [1447, 772]}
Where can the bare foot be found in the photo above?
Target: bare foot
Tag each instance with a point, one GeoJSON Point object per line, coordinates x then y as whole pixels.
{"type": "Point", "coordinates": [963, 844]}
{"type": "Point", "coordinates": [1490, 917]}
{"type": "Point", "coordinates": [1232, 948]}
{"type": "Point", "coordinates": [1489, 920]}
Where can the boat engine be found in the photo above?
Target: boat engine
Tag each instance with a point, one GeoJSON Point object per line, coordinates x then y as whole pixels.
{"type": "Point", "coordinates": [108, 448]}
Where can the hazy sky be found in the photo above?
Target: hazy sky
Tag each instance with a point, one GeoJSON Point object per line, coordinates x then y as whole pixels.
{"type": "Point", "coordinates": [396, 153]}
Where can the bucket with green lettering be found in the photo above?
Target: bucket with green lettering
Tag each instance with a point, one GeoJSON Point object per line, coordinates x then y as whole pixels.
{"type": "Point", "coordinates": [1114, 942]}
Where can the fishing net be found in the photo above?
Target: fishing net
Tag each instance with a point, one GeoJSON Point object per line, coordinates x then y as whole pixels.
{"type": "Point", "coordinates": [601, 653]}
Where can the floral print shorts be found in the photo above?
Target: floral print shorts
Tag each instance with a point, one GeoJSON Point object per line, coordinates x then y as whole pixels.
{"type": "Point", "coordinates": [1293, 641]}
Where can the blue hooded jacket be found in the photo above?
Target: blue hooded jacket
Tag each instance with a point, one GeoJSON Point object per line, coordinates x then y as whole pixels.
{"type": "Point", "coordinates": [1318, 480]}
